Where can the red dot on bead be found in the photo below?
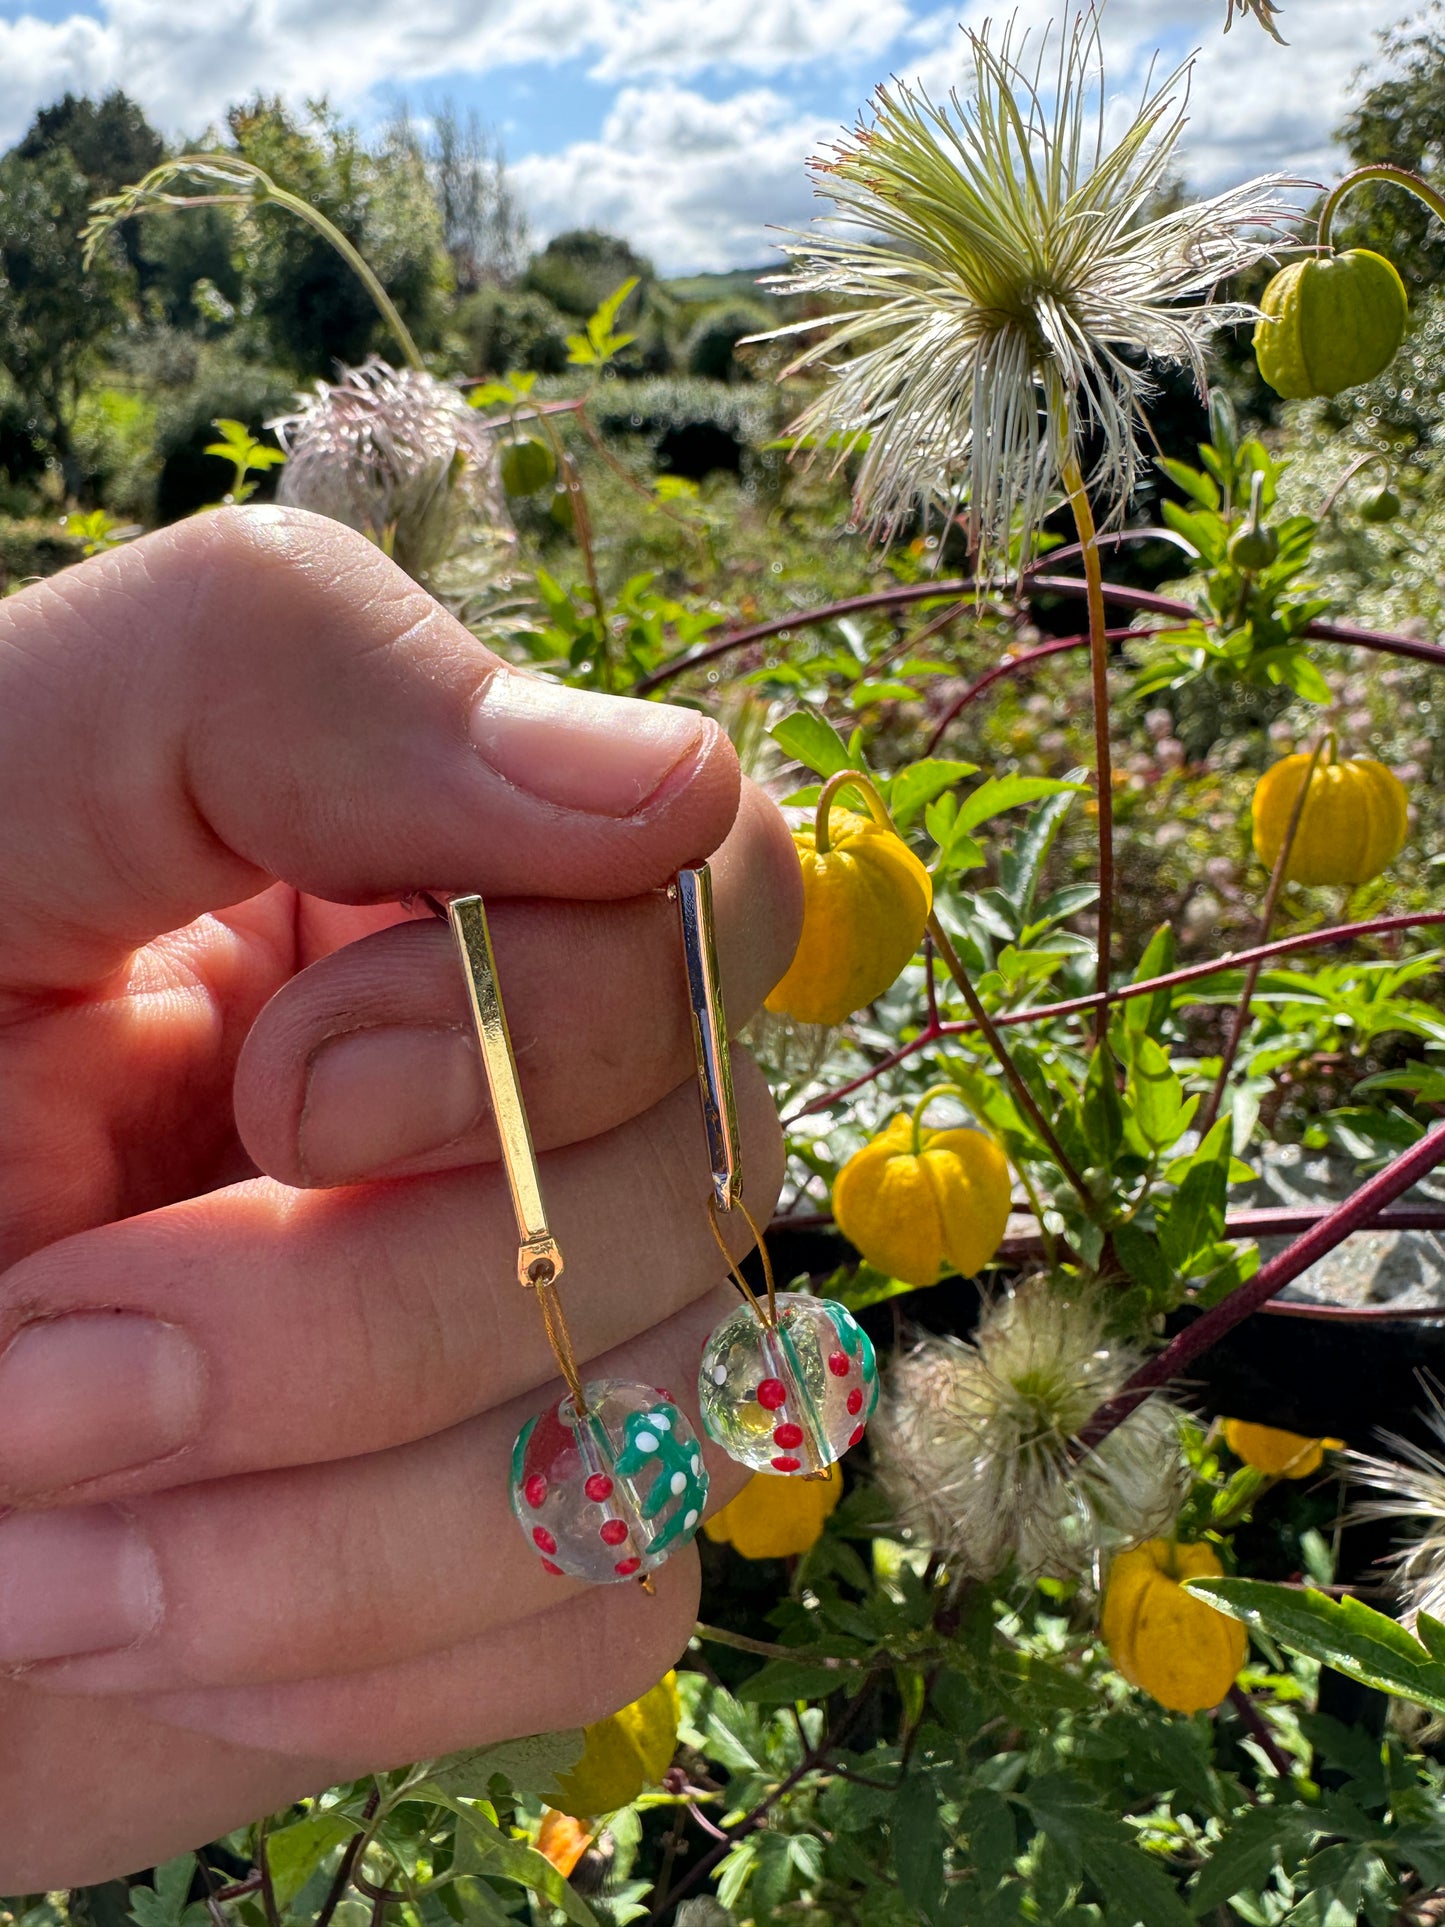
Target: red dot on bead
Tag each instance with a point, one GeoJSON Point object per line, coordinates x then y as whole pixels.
{"type": "Point", "coordinates": [626, 1567]}
{"type": "Point", "coordinates": [598, 1488]}
{"type": "Point", "coordinates": [547, 1566]}
{"type": "Point", "coordinates": [788, 1435]}
{"type": "Point", "coordinates": [613, 1533]}
{"type": "Point", "coordinates": [786, 1464]}
{"type": "Point", "coordinates": [857, 1435]}
{"type": "Point", "coordinates": [855, 1401]}
{"type": "Point", "coordinates": [535, 1489]}
{"type": "Point", "coordinates": [772, 1393]}
{"type": "Point", "coordinates": [838, 1364]}
{"type": "Point", "coordinates": [543, 1539]}
{"type": "Point", "coordinates": [662, 1392]}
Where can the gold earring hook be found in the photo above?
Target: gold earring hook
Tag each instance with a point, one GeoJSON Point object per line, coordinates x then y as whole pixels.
{"type": "Point", "coordinates": [692, 891]}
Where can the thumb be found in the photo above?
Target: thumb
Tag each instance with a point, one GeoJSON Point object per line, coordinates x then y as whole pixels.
{"type": "Point", "coordinates": [259, 695]}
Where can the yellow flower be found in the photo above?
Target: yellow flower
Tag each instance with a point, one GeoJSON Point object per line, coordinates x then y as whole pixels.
{"type": "Point", "coordinates": [563, 1840]}
{"type": "Point", "coordinates": [866, 899]}
{"type": "Point", "coordinates": [913, 1200]}
{"type": "Point", "coordinates": [1353, 824]}
{"type": "Point", "coordinates": [1164, 1639]}
{"type": "Point", "coordinates": [623, 1754]}
{"type": "Point", "coordinates": [772, 1518]}
{"type": "Point", "coordinates": [1286, 1455]}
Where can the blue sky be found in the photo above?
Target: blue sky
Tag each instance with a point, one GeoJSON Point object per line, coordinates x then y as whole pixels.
{"type": "Point", "coordinates": [684, 124]}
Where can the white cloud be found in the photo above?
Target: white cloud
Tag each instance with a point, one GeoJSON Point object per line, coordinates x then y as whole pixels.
{"type": "Point", "coordinates": [184, 61]}
{"type": "Point", "coordinates": [695, 183]}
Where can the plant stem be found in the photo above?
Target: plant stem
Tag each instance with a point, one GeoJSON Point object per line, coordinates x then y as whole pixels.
{"type": "Point", "coordinates": [1211, 1326]}
{"type": "Point", "coordinates": [855, 779]}
{"type": "Point", "coordinates": [1266, 924]}
{"type": "Point", "coordinates": [1023, 1096]}
{"type": "Point", "coordinates": [1259, 1732]}
{"type": "Point", "coordinates": [1103, 757]}
{"type": "Point", "coordinates": [1191, 973]}
{"type": "Point", "coordinates": [766, 1649]}
{"type": "Point", "coordinates": [1063, 585]}
{"type": "Point", "coordinates": [1377, 171]}
{"type": "Point", "coordinates": [354, 260]}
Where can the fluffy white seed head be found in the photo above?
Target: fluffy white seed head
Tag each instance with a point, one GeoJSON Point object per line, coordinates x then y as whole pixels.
{"type": "Point", "coordinates": [400, 456]}
{"type": "Point", "coordinates": [1409, 1489]}
{"type": "Point", "coordinates": [972, 1441]}
{"type": "Point", "coordinates": [1006, 283]}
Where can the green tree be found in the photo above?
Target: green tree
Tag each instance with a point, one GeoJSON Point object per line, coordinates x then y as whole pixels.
{"type": "Point", "coordinates": [1401, 119]}
{"type": "Point", "coordinates": [309, 305]}
{"type": "Point", "coordinates": [577, 271]}
{"type": "Point", "coordinates": [54, 314]}
{"type": "Point", "coordinates": [110, 141]}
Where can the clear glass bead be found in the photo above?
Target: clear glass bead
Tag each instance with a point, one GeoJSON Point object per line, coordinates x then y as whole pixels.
{"type": "Point", "coordinates": [608, 1496]}
{"type": "Point", "coordinates": [794, 1398]}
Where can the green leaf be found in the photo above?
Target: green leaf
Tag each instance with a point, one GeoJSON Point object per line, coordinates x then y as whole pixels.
{"type": "Point", "coordinates": [1194, 1219]}
{"type": "Point", "coordinates": [1160, 1111]}
{"type": "Point", "coordinates": [1193, 483]}
{"type": "Point", "coordinates": [1246, 1856]}
{"type": "Point", "coordinates": [164, 1905]}
{"type": "Point", "coordinates": [1000, 793]}
{"type": "Point", "coordinates": [1345, 1634]}
{"type": "Point", "coordinates": [295, 1853]}
{"type": "Point", "coordinates": [534, 1764]}
{"type": "Point", "coordinates": [1145, 1015]}
{"type": "Point", "coordinates": [782, 1681]}
{"type": "Point", "coordinates": [1135, 1890]}
{"type": "Point", "coordinates": [915, 786]}
{"type": "Point", "coordinates": [916, 1829]}
{"type": "Point", "coordinates": [813, 742]}
{"type": "Point", "coordinates": [988, 1821]}
{"type": "Point", "coordinates": [1139, 1252]}
{"type": "Point", "coordinates": [1103, 1115]}
{"type": "Point", "coordinates": [483, 1848]}
{"type": "Point", "coordinates": [1427, 1081]}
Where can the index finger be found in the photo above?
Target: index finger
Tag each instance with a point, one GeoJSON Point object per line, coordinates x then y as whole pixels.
{"type": "Point", "coordinates": [260, 695]}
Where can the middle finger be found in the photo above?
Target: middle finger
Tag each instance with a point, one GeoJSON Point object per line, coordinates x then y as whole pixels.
{"type": "Point", "coordinates": [261, 1327]}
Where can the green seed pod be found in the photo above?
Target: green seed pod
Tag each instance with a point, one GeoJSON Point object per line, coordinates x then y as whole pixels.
{"type": "Point", "coordinates": [527, 466]}
{"type": "Point", "coordinates": [1253, 547]}
{"type": "Point", "coordinates": [1380, 504]}
{"type": "Point", "coordinates": [561, 511]}
{"type": "Point", "coordinates": [1330, 324]}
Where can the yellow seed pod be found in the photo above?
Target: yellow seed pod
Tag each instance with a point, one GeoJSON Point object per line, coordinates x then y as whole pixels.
{"type": "Point", "coordinates": [1284, 1455]}
{"type": "Point", "coordinates": [914, 1200]}
{"type": "Point", "coordinates": [623, 1754]}
{"type": "Point", "coordinates": [1164, 1639]}
{"type": "Point", "coordinates": [775, 1518]}
{"type": "Point", "coordinates": [866, 899]}
{"type": "Point", "coordinates": [1330, 323]}
{"type": "Point", "coordinates": [1354, 822]}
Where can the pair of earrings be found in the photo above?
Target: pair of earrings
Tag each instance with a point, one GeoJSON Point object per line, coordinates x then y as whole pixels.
{"type": "Point", "coordinates": [610, 1478]}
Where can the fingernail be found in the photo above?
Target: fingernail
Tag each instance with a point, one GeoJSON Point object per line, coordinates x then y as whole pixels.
{"type": "Point", "coordinates": [94, 1392]}
{"type": "Point", "coordinates": [374, 1097]}
{"type": "Point", "coordinates": [72, 1582]}
{"type": "Point", "coordinates": [604, 754]}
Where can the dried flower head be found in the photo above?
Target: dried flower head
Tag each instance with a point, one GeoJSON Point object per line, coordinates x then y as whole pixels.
{"type": "Point", "coordinates": [400, 456]}
{"type": "Point", "coordinates": [1011, 284]}
{"type": "Point", "coordinates": [1411, 1488]}
{"type": "Point", "coordinates": [973, 1442]}
{"type": "Point", "coordinates": [1263, 11]}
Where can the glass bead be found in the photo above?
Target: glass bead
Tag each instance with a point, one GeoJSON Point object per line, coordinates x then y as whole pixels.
{"type": "Point", "coordinates": [791, 1399]}
{"type": "Point", "coordinates": [608, 1496]}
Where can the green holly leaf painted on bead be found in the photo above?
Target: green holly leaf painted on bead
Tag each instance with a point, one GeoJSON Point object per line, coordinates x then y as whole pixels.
{"type": "Point", "coordinates": [654, 1437]}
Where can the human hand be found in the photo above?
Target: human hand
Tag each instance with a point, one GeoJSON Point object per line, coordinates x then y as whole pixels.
{"type": "Point", "coordinates": [262, 1349]}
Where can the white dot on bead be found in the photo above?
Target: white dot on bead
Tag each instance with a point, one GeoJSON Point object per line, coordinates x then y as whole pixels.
{"type": "Point", "coordinates": [719, 1374]}
{"type": "Point", "coordinates": [690, 1519]}
{"type": "Point", "coordinates": [660, 1419]}
{"type": "Point", "coordinates": [646, 1442]}
{"type": "Point", "coordinates": [678, 1483]}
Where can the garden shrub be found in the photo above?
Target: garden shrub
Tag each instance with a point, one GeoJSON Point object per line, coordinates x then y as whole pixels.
{"type": "Point", "coordinates": [505, 329]}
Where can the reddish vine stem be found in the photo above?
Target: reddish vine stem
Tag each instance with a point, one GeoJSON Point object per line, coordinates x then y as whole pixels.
{"type": "Point", "coordinates": [1385, 641]}
{"type": "Point", "coordinates": [1253, 1721]}
{"type": "Point", "coordinates": [1017, 666]}
{"type": "Point", "coordinates": [1211, 1326]}
{"type": "Point", "coordinates": [1191, 973]}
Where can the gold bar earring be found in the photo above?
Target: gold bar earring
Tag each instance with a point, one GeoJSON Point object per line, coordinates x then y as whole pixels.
{"type": "Point", "coordinates": [788, 1383]}
{"type": "Point", "coordinates": [609, 1479]}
